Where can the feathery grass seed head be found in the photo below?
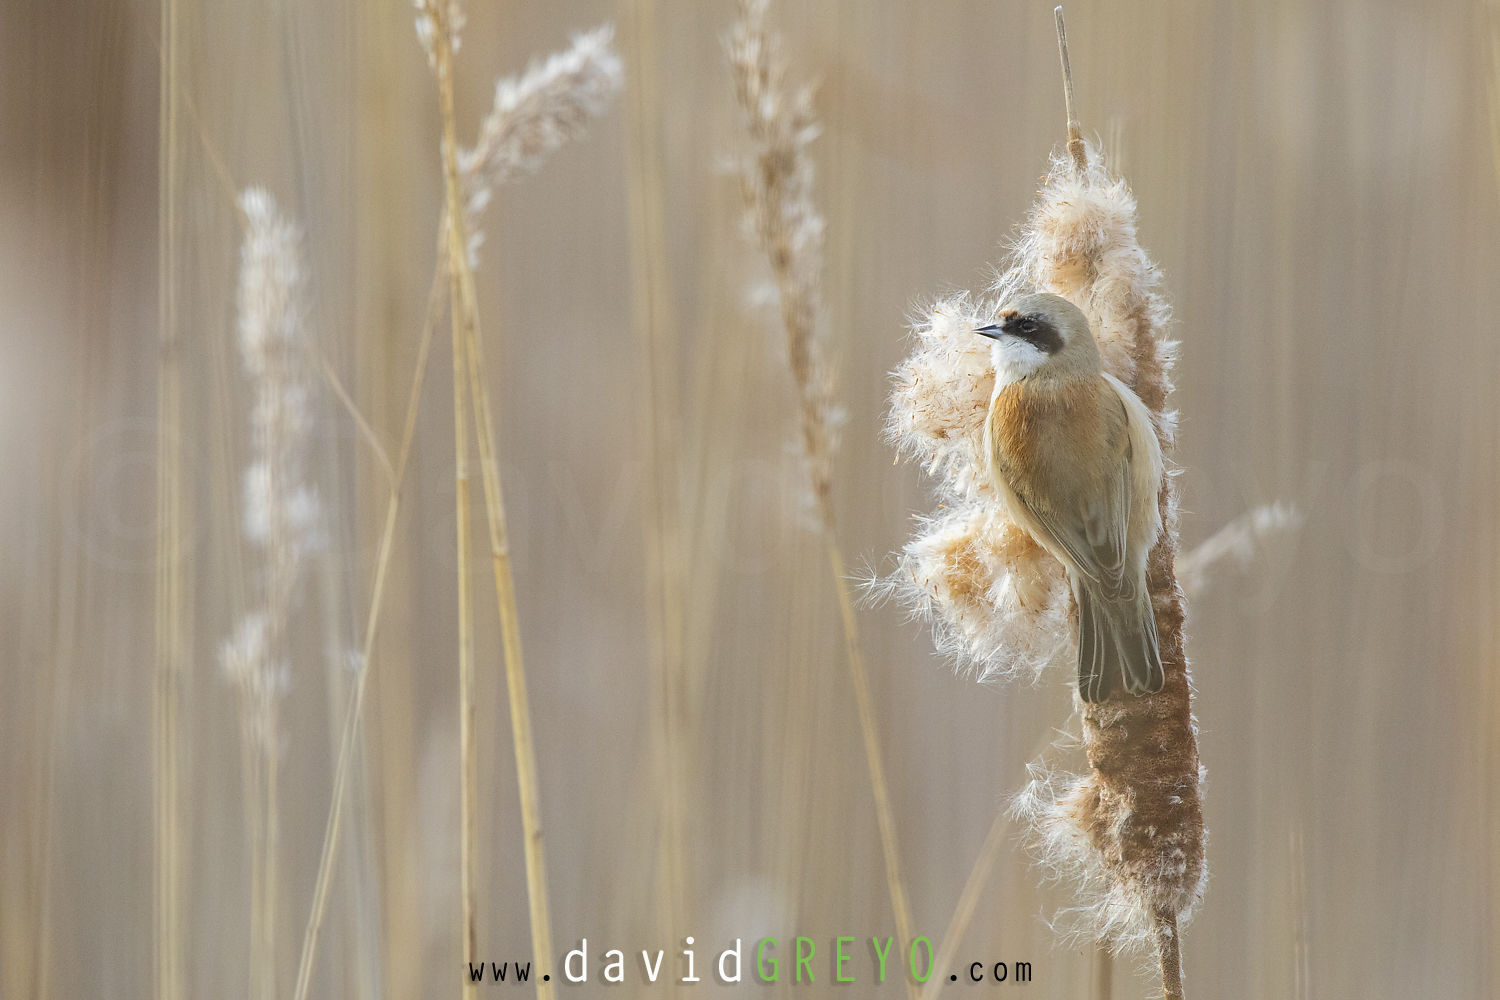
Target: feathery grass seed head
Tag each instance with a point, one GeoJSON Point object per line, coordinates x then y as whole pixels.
{"type": "Point", "coordinates": [535, 114]}
{"type": "Point", "coordinates": [776, 178]}
{"type": "Point", "coordinates": [429, 13]}
{"type": "Point", "coordinates": [282, 513]}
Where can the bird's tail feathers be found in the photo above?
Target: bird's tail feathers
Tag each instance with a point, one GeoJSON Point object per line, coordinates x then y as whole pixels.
{"type": "Point", "coordinates": [1117, 643]}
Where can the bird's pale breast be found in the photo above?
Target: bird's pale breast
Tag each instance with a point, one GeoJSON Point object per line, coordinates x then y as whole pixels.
{"type": "Point", "coordinates": [1055, 445]}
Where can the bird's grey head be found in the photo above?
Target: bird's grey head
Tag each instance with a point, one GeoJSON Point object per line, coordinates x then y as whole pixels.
{"type": "Point", "coordinates": [1042, 334]}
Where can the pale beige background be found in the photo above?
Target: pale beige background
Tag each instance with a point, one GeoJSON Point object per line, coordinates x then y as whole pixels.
{"type": "Point", "coordinates": [1321, 184]}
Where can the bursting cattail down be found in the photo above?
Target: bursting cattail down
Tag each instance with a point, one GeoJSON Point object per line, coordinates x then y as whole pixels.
{"type": "Point", "coordinates": [1129, 832]}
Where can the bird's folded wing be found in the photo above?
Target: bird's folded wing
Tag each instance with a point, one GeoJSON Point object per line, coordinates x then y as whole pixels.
{"type": "Point", "coordinates": [1094, 533]}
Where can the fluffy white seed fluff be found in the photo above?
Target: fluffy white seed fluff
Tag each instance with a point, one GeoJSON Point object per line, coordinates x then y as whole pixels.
{"type": "Point", "coordinates": [535, 113]}
{"type": "Point", "coordinates": [281, 507]}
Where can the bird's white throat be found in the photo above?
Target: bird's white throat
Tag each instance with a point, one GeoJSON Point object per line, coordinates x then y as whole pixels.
{"type": "Point", "coordinates": [1014, 359]}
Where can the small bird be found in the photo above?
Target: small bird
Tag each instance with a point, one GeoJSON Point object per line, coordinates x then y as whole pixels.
{"type": "Point", "coordinates": [1077, 463]}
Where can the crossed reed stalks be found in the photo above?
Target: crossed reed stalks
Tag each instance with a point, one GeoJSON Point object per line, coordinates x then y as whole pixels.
{"type": "Point", "coordinates": [532, 115]}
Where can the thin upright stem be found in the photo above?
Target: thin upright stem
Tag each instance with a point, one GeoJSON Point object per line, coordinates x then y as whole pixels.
{"type": "Point", "coordinates": [169, 596]}
{"type": "Point", "coordinates": [1169, 954]}
{"type": "Point", "coordinates": [1075, 131]}
{"type": "Point", "coordinates": [663, 516]}
{"type": "Point", "coordinates": [968, 902]}
{"type": "Point", "coordinates": [459, 316]}
{"type": "Point", "coordinates": [870, 730]}
{"type": "Point", "coordinates": [523, 743]}
{"type": "Point", "coordinates": [1102, 976]}
{"type": "Point", "coordinates": [467, 348]}
{"type": "Point", "coordinates": [353, 716]}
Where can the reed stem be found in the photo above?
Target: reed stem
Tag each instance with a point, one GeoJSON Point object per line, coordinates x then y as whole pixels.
{"type": "Point", "coordinates": [665, 548]}
{"type": "Point", "coordinates": [1170, 956]}
{"type": "Point", "coordinates": [459, 316]}
{"type": "Point", "coordinates": [349, 739]}
{"type": "Point", "coordinates": [870, 731]}
{"type": "Point", "coordinates": [1102, 976]}
{"type": "Point", "coordinates": [464, 311]}
{"type": "Point", "coordinates": [515, 675]}
{"type": "Point", "coordinates": [968, 902]}
{"type": "Point", "coordinates": [169, 595]}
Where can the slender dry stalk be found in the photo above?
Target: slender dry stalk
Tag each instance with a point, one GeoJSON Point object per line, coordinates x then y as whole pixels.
{"type": "Point", "coordinates": [1102, 975]}
{"type": "Point", "coordinates": [1075, 130]}
{"type": "Point", "coordinates": [1129, 832]}
{"type": "Point", "coordinates": [968, 899]}
{"type": "Point", "coordinates": [665, 549]}
{"type": "Point", "coordinates": [968, 903]}
{"type": "Point", "coordinates": [1299, 915]}
{"type": "Point", "coordinates": [1492, 82]}
{"type": "Point", "coordinates": [524, 744]}
{"type": "Point", "coordinates": [445, 29]}
{"type": "Point", "coordinates": [777, 179]}
{"type": "Point", "coordinates": [1168, 953]}
{"type": "Point", "coordinates": [353, 715]}
{"type": "Point", "coordinates": [531, 118]}
{"type": "Point", "coordinates": [170, 551]}
{"type": "Point", "coordinates": [1492, 702]}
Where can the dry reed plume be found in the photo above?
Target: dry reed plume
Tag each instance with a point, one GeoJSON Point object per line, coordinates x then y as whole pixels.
{"type": "Point", "coordinates": [534, 114]}
{"type": "Point", "coordinates": [1238, 541]}
{"type": "Point", "coordinates": [1129, 832]}
{"type": "Point", "coordinates": [777, 179]}
{"type": "Point", "coordinates": [281, 525]}
{"type": "Point", "coordinates": [777, 182]}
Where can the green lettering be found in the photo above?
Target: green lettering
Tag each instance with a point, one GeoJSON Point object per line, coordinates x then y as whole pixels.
{"type": "Point", "coordinates": [913, 963]}
{"type": "Point", "coordinates": [760, 961]}
{"type": "Point", "coordinates": [805, 961]}
{"type": "Point", "coordinates": [839, 958]}
{"type": "Point", "coordinates": [875, 943]}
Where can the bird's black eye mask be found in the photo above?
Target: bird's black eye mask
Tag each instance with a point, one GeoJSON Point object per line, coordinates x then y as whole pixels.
{"type": "Point", "coordinates": [1035, 330]}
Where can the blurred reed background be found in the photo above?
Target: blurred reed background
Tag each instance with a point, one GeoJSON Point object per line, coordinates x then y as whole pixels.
{"type": "Point", "coordinates": [1321, 184]}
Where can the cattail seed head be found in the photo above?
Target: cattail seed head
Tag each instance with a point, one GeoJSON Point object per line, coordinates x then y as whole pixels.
{"type": "Point", "coordinates": [1128, 833]}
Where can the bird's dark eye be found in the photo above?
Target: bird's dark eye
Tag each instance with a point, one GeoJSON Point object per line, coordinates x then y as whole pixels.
{"type": "Point", "coordinates": [1027, 326]}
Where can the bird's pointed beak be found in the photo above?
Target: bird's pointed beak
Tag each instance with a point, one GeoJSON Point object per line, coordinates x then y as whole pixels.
{"type": "Point", "coordinates": [992, 331]}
